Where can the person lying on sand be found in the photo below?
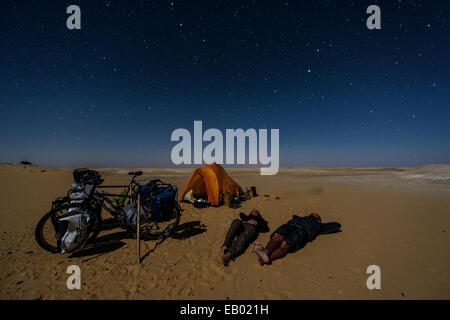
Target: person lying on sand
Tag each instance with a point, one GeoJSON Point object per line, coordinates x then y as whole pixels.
{"type": "Point", "coordinates": [241, 233]}
{"type": "Point", "coordinates": [293, 236]}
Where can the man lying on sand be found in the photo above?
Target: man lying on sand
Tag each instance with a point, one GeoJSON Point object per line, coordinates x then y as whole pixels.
{"type": "Point", "coordinates": [293, 236]}
{"type": "Point", "coordinates": [241, 233]}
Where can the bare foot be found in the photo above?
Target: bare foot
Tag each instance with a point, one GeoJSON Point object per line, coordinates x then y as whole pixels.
{"type": "Point", "coordinates": [260, 260]}
{"type": "Point", "coordinates": [261, 253]}
{"type": "Point", "coordinates": [225, 258]}
{"type": "Point", "coordinates": [256, 244]}
{"type": "Point", "coordinates": [222, 251]}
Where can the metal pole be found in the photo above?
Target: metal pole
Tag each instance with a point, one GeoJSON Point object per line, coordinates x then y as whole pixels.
{"type": "Point", "coordinates": [138, 225]}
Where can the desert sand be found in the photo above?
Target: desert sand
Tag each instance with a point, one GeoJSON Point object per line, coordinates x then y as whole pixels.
{"type": "Point", "coordinates": [396, 218]}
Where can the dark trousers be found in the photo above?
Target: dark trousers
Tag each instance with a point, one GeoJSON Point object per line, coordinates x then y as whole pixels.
{"type": "Point", "coordinates": [239, 237]}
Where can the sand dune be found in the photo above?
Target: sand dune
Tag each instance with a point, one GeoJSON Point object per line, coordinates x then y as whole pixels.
{"type": "Point", "coordinates": [395, 218]}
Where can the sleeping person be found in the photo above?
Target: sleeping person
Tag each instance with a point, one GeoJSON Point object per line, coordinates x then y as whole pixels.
{"type": "Point", "coordinates": [292, 236]}
{"type": "Point", "coordinates": [241, 233]}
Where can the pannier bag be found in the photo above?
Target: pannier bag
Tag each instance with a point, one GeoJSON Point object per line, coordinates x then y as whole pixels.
{"type": "Point", "coordinates": [129, 215]}
{"type": "Point", "coordinates": [161, 201]}
{"type": "Point", "coordinates": [73, 226]}
{"type": "Point", "coordinates": [77, 199]}
{"type": "Point", "coordinates": [157, 203]}
{"type": "Point", "coordinates": [73, 231]}
{"type": "Point", "coordinates": [87, 176]}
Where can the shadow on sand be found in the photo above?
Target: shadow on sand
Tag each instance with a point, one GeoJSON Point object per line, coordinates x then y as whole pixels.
{"type": "Point", "coordinates": [181, 232]}
{"type": "Point", "coordinates": [111, 242]}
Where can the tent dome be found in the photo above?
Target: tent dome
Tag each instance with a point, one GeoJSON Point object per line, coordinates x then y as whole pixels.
{"type": "Point", "coordinates": [211, 180]}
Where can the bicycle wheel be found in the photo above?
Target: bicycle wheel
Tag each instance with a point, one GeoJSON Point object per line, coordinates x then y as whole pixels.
{"type": "Point", "coordinates": [46, 232]}
{"type": "Point", "coordinates": [161, 229]}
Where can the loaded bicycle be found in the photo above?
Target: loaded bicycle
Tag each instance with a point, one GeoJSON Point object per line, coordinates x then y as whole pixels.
{"type": "Point", "coordinates": [76, 219]}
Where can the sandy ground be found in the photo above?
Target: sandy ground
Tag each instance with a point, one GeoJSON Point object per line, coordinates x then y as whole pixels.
{"type": "Point", "coordinates": [398, 219]}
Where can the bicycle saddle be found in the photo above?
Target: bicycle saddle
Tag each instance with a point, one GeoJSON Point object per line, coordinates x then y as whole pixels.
{"type": "Point", "coordinates": [135, 173]}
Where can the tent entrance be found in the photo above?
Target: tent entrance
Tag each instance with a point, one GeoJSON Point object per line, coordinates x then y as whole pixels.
{"type": "Point", "coordinates": [210, 181]}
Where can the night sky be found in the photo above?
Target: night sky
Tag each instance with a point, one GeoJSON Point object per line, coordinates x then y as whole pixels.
{"type": "Point", "coordinates": [111, 93]}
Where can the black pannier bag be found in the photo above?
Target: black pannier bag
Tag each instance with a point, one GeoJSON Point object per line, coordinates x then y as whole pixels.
{"type": "Point", "coordinates": [87, 176]}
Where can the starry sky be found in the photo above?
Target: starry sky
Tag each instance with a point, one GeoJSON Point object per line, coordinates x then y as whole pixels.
{"type": "Point", "coordinates": [111, 93]}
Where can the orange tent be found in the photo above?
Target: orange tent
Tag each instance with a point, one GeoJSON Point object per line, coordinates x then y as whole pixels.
{"type": "Point", "coordinates": [211, 180]}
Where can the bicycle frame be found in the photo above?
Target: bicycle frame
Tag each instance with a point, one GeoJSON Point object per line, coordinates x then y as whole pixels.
{"type": "Point", "coordinates": [103, 197]}
{"type": "Point", "coordinates": [93, 201]}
